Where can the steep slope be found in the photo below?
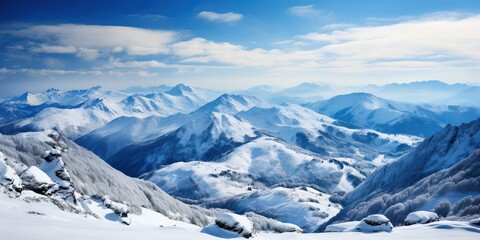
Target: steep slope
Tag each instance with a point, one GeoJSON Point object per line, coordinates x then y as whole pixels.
{"type": "Point", "coordinates": [92, 176]}
{"type": "Point", "coordinates": [124, 131]}
{"type": "Point", "coordinates": [369, 111]}
{"type": "Point", "coordinates": [405, 179]}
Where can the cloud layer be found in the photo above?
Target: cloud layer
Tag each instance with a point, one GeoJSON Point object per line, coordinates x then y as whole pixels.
{"type": "Point", "coordinates": [64, 38]}
{"type": "Point", "coordinates": [435, 43]}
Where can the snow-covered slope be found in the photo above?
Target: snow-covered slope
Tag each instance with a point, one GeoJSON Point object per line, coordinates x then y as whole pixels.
{"type": "Point", "coordinates": [303, 206]}
{"type": "Point", "coordinates": [179, 99]}
{"type": "Point", "coordinates": [444, 167]}
{"type": "Point", "coordinates": [93, 177]}
{"type": "Point", "coordinates": [44, 221]}
{"type": "Point", "coordinates": [324, 135]}
{"type": "Point", "coordinates": [261, 163]}
{"type": "Point", "coordinates": [123, 131]}
{"type": "Point", "coordinates": [246, 178]}
{"type": "Point", "coordinates": [206, 134]}
{"type": "Point", "coordinates": [367, 110]}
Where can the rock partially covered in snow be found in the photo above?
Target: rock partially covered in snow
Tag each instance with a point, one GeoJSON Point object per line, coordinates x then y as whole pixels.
{"type": "Point", "coordinates": [235, 223]}
{"type": "Point", "coordinates": [342, 227]}
{"type": "Point", "coordinates": [8, 177]}
{"type": "Point", "coordinates": [375, 223]}
{"type": "Point", "coordinates": [38, 181]}
{"type": "Point", "coordinates": [121, 209]}
{"type": "Point", "coordinates": [55, 168]}
{"type": "Point", "coordinates": [420, 217]}
{"type": "Point", "coordinates": [372, 223]}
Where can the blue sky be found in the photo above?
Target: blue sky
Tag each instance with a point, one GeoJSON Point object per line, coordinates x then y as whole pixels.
{"type": "Point", "coordinates": [235, 44]}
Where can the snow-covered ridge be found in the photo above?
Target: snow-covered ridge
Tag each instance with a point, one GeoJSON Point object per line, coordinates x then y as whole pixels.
{"type": "Point", "coordinates": [367, 110]}
{"type": "Point", "coordinates": [75, 113]}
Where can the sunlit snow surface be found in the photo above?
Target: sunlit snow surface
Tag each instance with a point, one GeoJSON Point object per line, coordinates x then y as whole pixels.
{"type": "Point", "coordinates": [42, 220]}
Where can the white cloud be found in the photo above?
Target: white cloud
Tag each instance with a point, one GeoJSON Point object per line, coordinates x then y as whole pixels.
{"type": "Point", "coordinates": [221, 17]}
{"type": "Point", "coordinates": [87, 53]}
{"type": "Point", "coordinates": [115, 63]}
{"type": "Point", "coordinates": [199, 50]}
{"type": "Point", "coordinates": [307, 11]}
{"type": "Point", "coordinates": [134, 41]}
{"type": "Point", "coordinates": [442, 39]}
{"type": "Point", "coordinates": [416, 44]}
{"type": "Point", "coordinates": [54, 49]}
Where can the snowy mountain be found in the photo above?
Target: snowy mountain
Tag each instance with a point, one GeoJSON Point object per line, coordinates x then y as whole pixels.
{"type": "Point", "coordinates": [208, 133]}
{"type": "Point", "coordinates": [302, 93]}
{"type": "Point", "coordinates": [369, 111]}
{"type": "Point", "coordinates": [442, 168]}
{"type": "Point", "coordinates": [261, 91]}
{"type": "Point", "coordinates": [96, 107]}
{"type": "Point", "coordinates": [253, 150]}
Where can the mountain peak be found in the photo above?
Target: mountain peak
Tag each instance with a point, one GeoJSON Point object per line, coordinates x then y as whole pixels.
{"type": "Point", "coordinates": [52, 90]}
{"type": "Point", "coordinates": [179, 89]}
{"type": "Point", "coordinates": [229, 103]}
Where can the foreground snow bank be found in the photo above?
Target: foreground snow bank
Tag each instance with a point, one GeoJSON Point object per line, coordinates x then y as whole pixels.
{"type": "Point", "coordinates": [42, 220]}
{"type": "Point", "coordinates": [372, 223]}
{"type": "Point", "coordinates": [421, 217]}
{"type": "Point", "coordinates": [235, 223]}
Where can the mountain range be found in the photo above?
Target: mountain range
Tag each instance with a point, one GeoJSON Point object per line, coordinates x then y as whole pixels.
{"type": "Point", "coordinates": [256, 152]}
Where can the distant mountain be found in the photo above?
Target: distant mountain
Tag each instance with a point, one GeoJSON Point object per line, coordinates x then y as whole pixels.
{"type": "Point", "coordinates": [466, 97]}
{"type": "Point", "coordinates": [442, 168]}
{"type": "Point", "coordinates": [302, 93]}
{"type": "Point", "coordinates": [421, 92]}
{"type": "Point", "coordinates": [367, 110]}
{"type": "Point", "coordinates": [94, 111]}
{"type": "Point", "coordinates": [262, 91]}
{"type": "Point", "coordinates": [147, 90]}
